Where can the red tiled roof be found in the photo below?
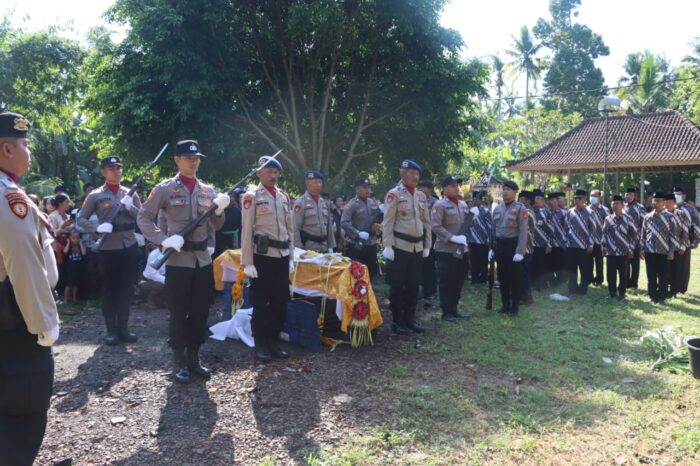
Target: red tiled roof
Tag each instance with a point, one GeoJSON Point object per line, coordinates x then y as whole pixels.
{"type": "Point", "coordinates": [665, 141]}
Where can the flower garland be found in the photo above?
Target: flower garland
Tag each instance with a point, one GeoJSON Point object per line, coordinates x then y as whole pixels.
{"type": "Point", "coordinates": [359, 327]}
{"type": "Point", "coordinates": [237, 290]}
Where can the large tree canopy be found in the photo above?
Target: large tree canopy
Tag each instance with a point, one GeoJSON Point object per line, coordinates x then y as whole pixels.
{"type": "Point", "coordinates": [339, 85]}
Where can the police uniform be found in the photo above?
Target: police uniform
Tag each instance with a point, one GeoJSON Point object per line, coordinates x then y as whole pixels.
{"type": "Point", "coordinates": [658, 234]}
{"type": "Point", "coordinates": [118, 254]}
{"type": "Point", "coordinates": [361, 215]}
{"type": "Point", "coordinates": [598, 215]}
{"type": "Point", "coordinates": [450, 219]}
{"type": "Point", "coordinates": [619, 240]}
{"type": "Point", "coordinates": [479, 240]}
{"type": "Point", "coordinates": [28, 316]}
{"type": "Point", "coordinates": [267, 242]}
{"type": "Point", "coordinates": [510, 235]}
{"type": "Point", "coordinates": [313, 222]}
{"type": "Point", "coordinates": [693, 239]}
{"type": "Point", "coordinates": [406, 229]}
{"type": "Point", "coordinates": [429, 273]}
{"type": "Point", "coordinates": [189, 278]}
{"type": "Point", "coordinates": [542, 239]}
{"type": "Point", "coordinates": [637, 212]}
{"type": "Point", "coordinates": [557, 257]}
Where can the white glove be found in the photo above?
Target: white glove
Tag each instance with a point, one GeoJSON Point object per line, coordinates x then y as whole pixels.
{"type": "Point", "coordinates": [222, 201]}
{"type": "Point", "coordinates": [250, 271]}
{"type": "Point", "coordinates": [291, 266]}
{"type": "Point", "coordinates": [48, 337]}
{"type": "Point", "coordinates": [475, 211]}
{"type": "Point", "coordinates": [210, 250]}
{"type": "Point", "coordinates": [364, 236]}
{"type": "Point", "coordinates": [330, 250]}
{"type": "Point", "coordinates": [517, 258]}
{"type": "Point", "coordinates": [459, 239]}
{"type": "Point", "coordinates": [127, 201]}
{"type": "Point", "coordinates": [173, 242]}
{"type": "Point", "coordinates": [388, 253]}
{"type": "Point", "coordinates": [426, 252]}
{"type": "Point", "coordinates": [105, 227]}
{"type": "Point", "coordinates": [490, 255]}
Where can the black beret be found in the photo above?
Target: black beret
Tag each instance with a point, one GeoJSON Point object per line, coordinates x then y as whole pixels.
{"type": "Point", "coordinates": [678, 189]}
{"type": "Point", "coordinates": [631, 190]}
{"type": "Point", "coordinates": [362, 182]}
{"type": "Point", "coordinates": [670, 197]}
{"type": "Point", "coordinates": [537, 193]}
{"type": "Point", "coordinates": [580, 192]}
{"type": "Point", "coordinates": [510, 184]}
{"type": "Point", "coordinates": [659, 195]}
{"type": "Point", "coordinates": [313, 175]}
{"type": "Point", "coordinates": [109, 161]}
{"type": "Point", "coordinates": [426, 184]}
{"type": "Point", "coordinates": [617, 198]}
{"type": "Point", "coordinates": [451, 179]}
{"type": "Point", "coordinates": [13, 125]}
{"type": "Point", "coordinates": [552, 195]}
{"type": "Point", "coordinates": [188, 148]}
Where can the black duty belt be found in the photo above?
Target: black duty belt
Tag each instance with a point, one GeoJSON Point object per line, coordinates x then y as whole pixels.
{"type": "Point", "coordinates": [195, 245]}
{"type": "Point", "coordinates": [123, 227]}
{"type": "Point", "coordinates": [309, 237]}
{"type": "Point", "coordinates": [409, 238]}
{"type": "Point", "coordinates": [272, 243]}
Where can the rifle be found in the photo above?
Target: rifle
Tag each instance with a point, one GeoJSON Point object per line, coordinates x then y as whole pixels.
{"type": "Point", "coordinates": [134, 186]}
{"type": "Point", "coordinates": [369, 228]}
{"type": "Point", "coordinates": [463, 230]}
{"type": "Point", "coordinates": [490, 278]}
{"type": "Point", "coordinates": [190, 227]}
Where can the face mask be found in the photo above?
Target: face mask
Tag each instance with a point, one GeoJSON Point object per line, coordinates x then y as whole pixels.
{"type": "Point", "coordinates": [679, 198]}
{"type": "Point", "coordinates": [594, 200]}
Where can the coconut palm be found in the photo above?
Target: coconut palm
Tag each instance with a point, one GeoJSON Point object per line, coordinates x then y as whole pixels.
{"type": "Point", "coordinates": [525, 61]}
{"type": "Point", "coordinates": [647, 75]}
{"type": "Point", "coordinates": [694, 59]}
{"type": "Point", "coordinates": [498, 67]}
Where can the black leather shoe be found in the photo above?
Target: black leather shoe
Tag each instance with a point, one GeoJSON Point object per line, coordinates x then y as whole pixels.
{"type": "Point", "coordinates": [182, 374]}
{"type": "Point", "coordinates": [128, 337]}
{"type": "Point", "coordinates": [416, 327]}
{"type": "Point", "coordinates": [278, 352]}
{"type": "Point", "coordinates": [262, 354]}
{"type": "Point", "coordinates": [448, 317]}
{"type": "Point", "coordinates": [400, 329]}
{"type": "Point", "coordinates": [111, 339]}
{"type": "Point", "coordinates": [457, 315]}
{"type": "Point", "coordinates": [194, 364]}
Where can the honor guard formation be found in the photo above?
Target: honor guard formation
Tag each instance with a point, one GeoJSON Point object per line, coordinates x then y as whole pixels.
{"type": "Point", "coordinates": [422, 246]}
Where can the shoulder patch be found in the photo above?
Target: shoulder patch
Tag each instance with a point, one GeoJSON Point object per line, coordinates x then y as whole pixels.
{"type": "Point", "coordinates": [18, 204]}
{"type": "Point", "coordinates": [297, 207]}
{"type": "Point", "coordinates": [390, 197]}
{"type": "Point", "coordinates": [248, 200]}
{"type": "Point", "coordinates": [524, 213]}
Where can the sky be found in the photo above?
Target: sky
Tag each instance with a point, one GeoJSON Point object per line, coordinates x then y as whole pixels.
{"type": "Point", "coordinates": [662, 26]}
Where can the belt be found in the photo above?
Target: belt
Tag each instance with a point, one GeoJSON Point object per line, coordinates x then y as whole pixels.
{"type": "Point", "coordinates": [409, 238]}
{"type": "Point", "coordinates": [507, 240]}
{"type": "Point", "coordinates": [195, 245]}
{"type": "Point", "coordinates": [274, 243]}
{"type": "Point", "coordinates": [123, 227]}
{"type": "Point", "coordinates": [316, 239]}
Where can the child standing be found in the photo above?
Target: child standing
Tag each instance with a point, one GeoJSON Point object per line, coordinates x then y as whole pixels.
{"type": "Point", "coordinates": [74, 253]}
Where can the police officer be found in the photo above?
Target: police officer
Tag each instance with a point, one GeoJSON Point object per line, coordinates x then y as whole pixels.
{"type": "Point", "coordinates": [28, 316]}
{"type": "Point", "coordinates": [189, 278]}
{"type": "Point", "coordinates": [557, 258]}
{"type": "Point", "coordinates": [429, 278]}
{"type": "Point", "coordinates": [407, 237]}
{"type": "Point", "coordinates": [693, 236]}
{"type": "Point", "coordinates": [527, 198]}
{"type": "Point", "coordinates": [479, 238]}
{"type": "Point", "coordinates": [659, 229]}
{"type": "Point", "coordinates": [542, 239]}
{"type": "Point", "coordinates": [635, 210]}
{"type": "Point", "coordinates": [598, 214]}
{"type": "Point", "coordinates": [118, 254]}
{"type": "Point", "coordinates": [267, 257]}
{"type": "Point", "coordinates": [450, 220]}
{"type": "Point", "coordinates": [313, 222]}
{"type": "Point", "coordinates": [619, 240]}
{"type": "Point", "coordinates": [579, 244]}
{"type": "Point", "coordinates": [509, 245]}
{"type": "Point", "coordinates": [681, 245]}
{"type": "Point", "coordinates": [359, 222]}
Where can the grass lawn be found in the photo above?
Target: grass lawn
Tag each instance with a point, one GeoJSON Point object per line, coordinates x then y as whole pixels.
{"type": "Point", "coordinates": [536, 389]}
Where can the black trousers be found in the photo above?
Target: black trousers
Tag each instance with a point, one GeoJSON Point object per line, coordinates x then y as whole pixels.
{"type": "Point", "coordinates": [541, 276]}
{"type": "Point", "coordinates": [684, 277]}
{"type": "Point", "coordinates": [509, 274]}
{"type": "Point", "coordinates": [188, 293]}
{"type": "Point", "coordinates": [675, 279]}
{"type": "Point", "coordinates": [404, 277]}
{"type": "Point", "coordinates": [617, 267]}
{"type": "Point", "coordinates": [26, 385]}
{"type": "Point", "coordinates": [118, 271]}
{"type": "Point", "coordinates": [580, 264]}
{"type": "Point", "coordinates": [526, 283]}
{"type": "Point", "coordinates": [658, 272]}
{"type": "Point", "coordinates": [479, 260]}
{"type": "Point", "coordinates": [558, 265]}
{"type": "Point", "coordinates": [270, 297]}
{"type": "Point", "coordinates": [452, 272]}
{"type": "Point", "coordinates": [429, 276]}
{"type": "Point", "coordinates": [597, 266]}
{"type": "Point", "coordinates": [367, 255]}
{"type": "Point", "coordinates": [633, 270]}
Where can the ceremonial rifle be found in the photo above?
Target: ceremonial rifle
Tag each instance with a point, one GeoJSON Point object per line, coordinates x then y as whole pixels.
{"type": "Point", "coordinates": [190, 227]}
{"type": "Point", "coordinates": [134, 186]}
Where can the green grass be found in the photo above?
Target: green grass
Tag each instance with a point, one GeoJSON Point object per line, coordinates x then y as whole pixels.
{"type": "Point", "coordinates": [536, 389]}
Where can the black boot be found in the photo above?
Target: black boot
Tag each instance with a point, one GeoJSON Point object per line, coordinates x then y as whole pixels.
{"type": "Point", "coordinates": [126, 336]}
{"type": "Point", "coordinates": [400, 329]}
{"type": "Point", "coordinates": [416, 327]}
{"type": "Point", "coordinates": [123, 325]}
{"type": "Point", "coordinates": [447, 316]}
{"type": "Point", "coordinates": [195, 364]}
{"type": "Point", "coordinates": [112, 336]}
{"type": "Point", "coordinates": [262, 351]}
{"type": "Point", "coordinates": [278, 352]}
{"type": "Point", "coordinates": [182, 372]}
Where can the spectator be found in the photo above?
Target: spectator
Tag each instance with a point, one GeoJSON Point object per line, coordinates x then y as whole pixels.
{"type": "Point", "coordinates": [87, 189]}
{"type": "Point", "coordinates": [60, 222]}
{"type": "Point", "coordinates": [60, 189]}
{"type": "Point", "coordinates": [47, 207]}
{"type": "Point", "coordinates": [74, 270]}
{"type": "Point", "coordinates": [337, 212]}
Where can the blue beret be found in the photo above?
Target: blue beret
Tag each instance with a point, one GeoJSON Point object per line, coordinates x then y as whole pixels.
{"type": "Point", "coordinates": [313, 175]}
{"type": "Point", "coordinates": [267, 161]}
{"type": "Point", "coordinates": [410, 165]}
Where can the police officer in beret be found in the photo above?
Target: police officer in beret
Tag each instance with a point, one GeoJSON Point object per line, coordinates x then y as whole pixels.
{"type": "Point", "coordinates": [28, 316]}
{"type": "Point", "coordinates": [118, 254]}
{"type": "Point", "coordinates": [509, 245]}
{"type": "Point", "coordinates": [189, 278]}
{"type": "Point", "coordinates": [359, 222]}
{"type": "Point", "coordinates": [407, 238]}
{"type": "Point", "coordinates": [313, 222]}
{"type": "Point", "coordinates": [267, 257]}
{"type": "Point", "coordinates": [527, 198]}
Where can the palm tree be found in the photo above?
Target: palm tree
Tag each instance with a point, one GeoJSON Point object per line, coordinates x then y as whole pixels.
{"type": "Point", "coordinates": [694, 59]}
{"type": "Point", "coordinates": [647, 76]}
{"type": "Point", "coordinates": [498, 68]}
{"type": "Point", "coordinates": [524, 53]}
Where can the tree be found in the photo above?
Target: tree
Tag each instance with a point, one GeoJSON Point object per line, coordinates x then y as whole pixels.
{"type": "Point", "coordinates": [339, 85]}
{"type": "Point", "coordinates": [498, 71]}
{"type": "Point", "coordinates": [573, 82]}
{"type": "Point", "coordinates": [694, 59]}
{"type": "Point", "coordinates": [648, 76]}
{"type": "Point", "coordinates": [686, 94]}
{"type": "Point", "coordinates": [524, 61]}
